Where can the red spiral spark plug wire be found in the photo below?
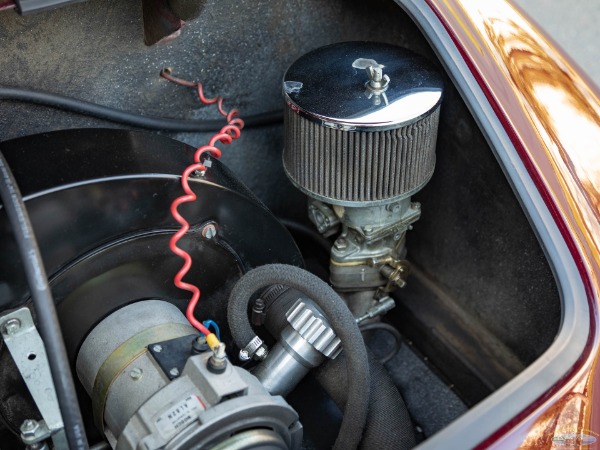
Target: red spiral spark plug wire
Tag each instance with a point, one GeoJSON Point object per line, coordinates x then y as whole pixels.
{"type": "Point", "coordinates": [226, 135]}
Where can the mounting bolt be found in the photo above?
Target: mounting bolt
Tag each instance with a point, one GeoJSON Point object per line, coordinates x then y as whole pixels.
{"type": "Point", "coordinates": [174, 372]}
{"type": "Point", "coordinates": [368, 229]}
{"type": "Point", "coordinates": [29, 427]}
{"type": "Point", "coordinates": [258, 312]}
{"type": "Point", "coordinates": [209, 231]}
{"type": "Point", "coordinates": [340, 243]}
{"type": "Point", "coordinates": [11, 326]}
{"type": "Point", "coordinates": [157, 348]}
{"type": "Point", "coordinates": [217, 363]}
{"type": "Point", "coordinates": [136, 373]}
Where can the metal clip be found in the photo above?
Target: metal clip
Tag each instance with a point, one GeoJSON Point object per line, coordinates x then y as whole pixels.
{"type": "Point", "coordinates": [27, 349]}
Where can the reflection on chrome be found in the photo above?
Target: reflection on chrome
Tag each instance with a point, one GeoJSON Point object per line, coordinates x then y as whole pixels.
{"type": "Point", "coordinates": [362, 86]}
{"type": "Point", "coordinates": [556, 118]}
{"type": "Point", "coordinates": [401, 110]}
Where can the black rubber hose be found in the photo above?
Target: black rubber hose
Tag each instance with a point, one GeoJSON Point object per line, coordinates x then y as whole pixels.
{"type": "Point", "coordinates": [388, 328]}
{"type": "Point", "coordinates": [388, 422]}
{"type": "Point", "coordinates": [43, 302]}
{"type": "Point", "coordinates": [127, 118]}
{"type": "Point", "coordinates": [342, 322]}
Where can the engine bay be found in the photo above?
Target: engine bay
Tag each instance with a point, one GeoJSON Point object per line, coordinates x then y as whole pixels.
{"type": "Point", "coordinates": [360, 270]}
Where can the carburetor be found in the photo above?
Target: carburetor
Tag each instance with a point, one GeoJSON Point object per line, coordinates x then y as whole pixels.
{"type": "Point", "coordinates": [361, 124]}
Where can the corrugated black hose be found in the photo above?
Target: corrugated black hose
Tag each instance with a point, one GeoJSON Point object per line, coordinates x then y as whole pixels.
{"type": "Point", "coordinates": [339, 317]}
{"type": "Point", "coordinates": [43, 302]}
{"type": "Point", "coordinates": [127, 118]}
{"type": "Point", "coordinates": [388, 422]}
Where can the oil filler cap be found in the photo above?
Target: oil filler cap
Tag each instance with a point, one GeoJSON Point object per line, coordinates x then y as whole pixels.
{"type": "Point", "coordinates": [361, 123]}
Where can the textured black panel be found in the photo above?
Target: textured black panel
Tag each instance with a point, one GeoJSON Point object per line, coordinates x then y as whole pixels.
{"type": "Point", "coordinates": [359, 166]}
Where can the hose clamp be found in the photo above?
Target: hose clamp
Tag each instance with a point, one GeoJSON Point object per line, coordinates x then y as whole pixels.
{"type": "Point", "coordinates": [256, 349]}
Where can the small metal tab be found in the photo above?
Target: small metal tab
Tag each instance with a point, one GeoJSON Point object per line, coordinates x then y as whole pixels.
{"type": "Point", "coordinates": [28, 352]}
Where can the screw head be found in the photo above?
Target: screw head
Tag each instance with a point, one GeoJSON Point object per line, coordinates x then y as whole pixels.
{"type": "Point", "coordinates": [368, 229]}
{"type": "Point", "coordinates": [174, 372]}
{"type": "Point", "coordinates": [157, 348]}
{"type": "Point", "coordinates": [244, 356]}
{"type": "Point", "coordinates": [136, 373]}
{"type": "Point", "coordinates": [261, 353]}
{"type": "Point", "coordinates": [209, 231]}
{"type": "Point", "coordinates": [29, 427]}
{"type": "Point", "coordinates": [11, 326]}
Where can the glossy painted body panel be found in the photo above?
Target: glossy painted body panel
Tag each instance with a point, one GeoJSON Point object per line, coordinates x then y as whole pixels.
{"type": "Point", "coordinates": [553, 119]}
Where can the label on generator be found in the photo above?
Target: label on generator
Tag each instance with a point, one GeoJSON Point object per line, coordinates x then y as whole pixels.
{"type": "Point", "coordinates": [179, 416]}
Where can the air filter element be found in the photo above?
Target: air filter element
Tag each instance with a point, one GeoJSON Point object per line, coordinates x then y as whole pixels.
{"type": "Point", "coordinates": [361, 123]}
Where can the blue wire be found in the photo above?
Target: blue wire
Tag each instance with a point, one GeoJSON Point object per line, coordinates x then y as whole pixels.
{"type": "Point", "coordinates": [213, 324]}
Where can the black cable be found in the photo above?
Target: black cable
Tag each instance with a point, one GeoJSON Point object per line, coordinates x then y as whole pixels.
{"type": "Point", "coordinates": [390, 329]}
{"type": "Point", "coordinates": [43, 302]}
{"type": "Point", "coordinates": [306, 230]}
{"type": "Point", "coordinates": [127, 118]}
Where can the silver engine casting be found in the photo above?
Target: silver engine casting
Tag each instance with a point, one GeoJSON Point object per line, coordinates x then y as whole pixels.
{"type": "Point", "coordinates": [140, 406]}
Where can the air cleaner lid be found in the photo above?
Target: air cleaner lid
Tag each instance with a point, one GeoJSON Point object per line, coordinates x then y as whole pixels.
{"type": "Point", "coordinates": [362, 86]}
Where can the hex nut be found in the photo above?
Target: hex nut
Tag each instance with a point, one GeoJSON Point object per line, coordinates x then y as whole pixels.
{"type": "Point", "coordinates": [29, 427]}
{"type": "Point", "coordinates": [11, 326]}
{"type": "Point", "coordinates": [340, 243]}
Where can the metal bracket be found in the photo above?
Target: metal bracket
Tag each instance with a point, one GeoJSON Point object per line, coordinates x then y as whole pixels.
{"type": "Point", "coordinates": [27, 349]}
{"type": "Point", "coordinates": [172, 355]}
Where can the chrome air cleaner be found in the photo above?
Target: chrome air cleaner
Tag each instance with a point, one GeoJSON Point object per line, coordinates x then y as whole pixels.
{"type": "Point", "coordinates": [361, 123]}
